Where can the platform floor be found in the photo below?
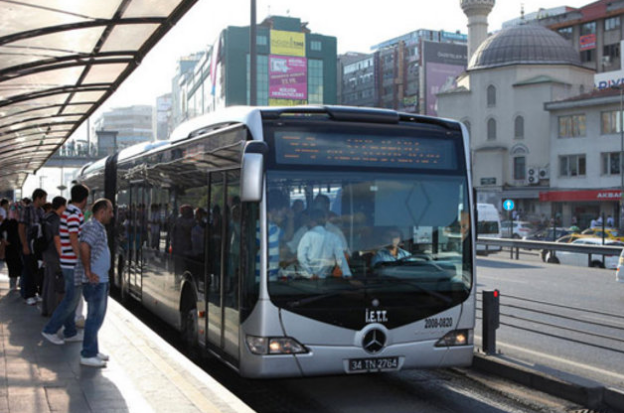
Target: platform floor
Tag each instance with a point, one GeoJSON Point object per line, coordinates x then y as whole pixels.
{"type": "Point", "coordinates": [145, 374]}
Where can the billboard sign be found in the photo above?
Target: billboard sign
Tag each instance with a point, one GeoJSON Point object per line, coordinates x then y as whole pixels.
{"type": "Point", "coordinates": [587, 42]}
{"type": "Point", "coordinates": [442, 63]}
{"type": "Point", "coordinates": [288, 78]}
{"type": "Point", "coordinates": [287, 43]}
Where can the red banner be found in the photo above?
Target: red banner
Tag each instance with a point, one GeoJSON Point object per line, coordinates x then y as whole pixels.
{"type": "Point", "coordinates": [571, 196]}
{"type": "Point", "coordinates": [587, 41]}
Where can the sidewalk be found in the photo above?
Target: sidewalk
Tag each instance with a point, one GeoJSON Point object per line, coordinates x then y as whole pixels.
{"type": "Point", "coordinates": [145, 374]}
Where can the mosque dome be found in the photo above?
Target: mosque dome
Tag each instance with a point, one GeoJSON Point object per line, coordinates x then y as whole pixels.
{"type": "Point", "coordinates": [524, 44]}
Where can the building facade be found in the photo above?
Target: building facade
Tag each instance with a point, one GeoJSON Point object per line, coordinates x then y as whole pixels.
{"type": "Point", "coordinates": [184, 70]}
{"type": "Point", "coordinates": [501, 100]}
{"type": "Point", "coordinates": [162, 117]}
{"type": "Point", "coordinates": [294, 66]}
{"type": "Point", "coordinates": [133, 124]}
{"type": "Point", "coordinates": [595, 31]}
{"type": "Point", "coordinates": [394, 74]}
{"type": "Point", "coordinates": [585, 147]}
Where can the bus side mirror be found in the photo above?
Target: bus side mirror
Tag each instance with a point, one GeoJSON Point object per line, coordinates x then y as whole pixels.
{"type": "Point", "coordinates": [252, 171]}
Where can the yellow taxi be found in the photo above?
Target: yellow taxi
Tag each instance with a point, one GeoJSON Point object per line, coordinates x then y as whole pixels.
{"type": "Point", "coordinates": [609, 233]}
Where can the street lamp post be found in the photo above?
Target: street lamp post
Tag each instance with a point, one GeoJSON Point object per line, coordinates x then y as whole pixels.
{"type": "Point", "coordinates": [621, 204]}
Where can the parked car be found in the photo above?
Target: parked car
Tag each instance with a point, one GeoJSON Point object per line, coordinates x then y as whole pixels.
{"type": "Point", "coordinates": [609, 233]}
{"type": "Point", "coordinates": [566, 239]}
{"type": "Point", "coordinates": [580, 259]}
{"type": "Point", "coordinates": [619, 274]}
{"type": "Point", "coordinates": [520, 229]}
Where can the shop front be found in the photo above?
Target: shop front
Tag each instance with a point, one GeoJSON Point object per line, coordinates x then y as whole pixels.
{"type": "Point", "coordinates": [582, 206]}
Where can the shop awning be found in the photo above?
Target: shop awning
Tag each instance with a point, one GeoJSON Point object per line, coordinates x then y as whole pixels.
{"type": "Point", "coordinates": [612, 195]}
{"type": "Point", "coordinates": [59, 61]}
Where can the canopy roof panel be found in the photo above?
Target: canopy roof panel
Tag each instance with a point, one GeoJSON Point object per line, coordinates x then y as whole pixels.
{"type": "Point", "coordinates": [59, 61]}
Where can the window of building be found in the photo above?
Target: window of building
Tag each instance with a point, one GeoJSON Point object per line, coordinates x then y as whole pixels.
{"type": "Point", "coordinates": [262, 86]}
{"type": "Point", "coordinates": [316, 45]}
{"type": "Point", "coordinates": [566, 32]}
{"type": "Point", "coordinates": [571, 126]}
{"type": "Point", "coordinates": [588, 28]}
{"type": "Point", "coordinates": [491, 130]}
{"type": "Point", "coordinates": [315, 81]}
{"type": "Point", "coordinates": [519, 171]}
{"type": "Point", "coordinates": [610, 122]}
{"type": "Point", "coordinates": [262, 40]}
{"type": "Point", "coordinates": [611, 52]}
{"type": "Point", "coordinates": [611, 163]}
{"type": "Point", "coordinates": [612, 23]}
{"type": "Point", "coordinates": [491, 96]}
{"type": "Point", "coordinates": [519, 127]}
{"type": "Point", "coordinates": [572, 165]}
{"type": "Point", "coordinates": [587, 56]}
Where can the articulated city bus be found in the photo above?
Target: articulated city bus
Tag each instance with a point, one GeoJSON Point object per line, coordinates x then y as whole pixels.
{"type": "Point", "coordinates": [301, 241]}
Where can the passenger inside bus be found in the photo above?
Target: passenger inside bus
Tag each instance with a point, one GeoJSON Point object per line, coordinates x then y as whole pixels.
{"type": "Point", "coordinates": [320, 250]}
{"type": "Point", "coordinates": [391, 250]}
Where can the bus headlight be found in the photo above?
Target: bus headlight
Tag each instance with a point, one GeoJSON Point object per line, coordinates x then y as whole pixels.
{"type": "Point", "coordinates": [456, 338]}
{"type": "Point", "coordinates": [274, 345]}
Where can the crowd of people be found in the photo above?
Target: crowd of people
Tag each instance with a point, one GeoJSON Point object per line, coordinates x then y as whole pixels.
{"type": "Point", "coordinates": [54, 258]}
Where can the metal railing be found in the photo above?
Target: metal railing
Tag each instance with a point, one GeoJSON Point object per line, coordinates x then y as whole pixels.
{"type": "Point", "coordinates": [516, 245]}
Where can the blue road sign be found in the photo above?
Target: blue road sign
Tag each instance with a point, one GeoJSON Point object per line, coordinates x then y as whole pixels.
{"type": "Point", "coordinates": [508, 205]}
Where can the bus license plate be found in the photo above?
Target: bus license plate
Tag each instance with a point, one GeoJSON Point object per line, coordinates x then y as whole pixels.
{"type": "Point", "coordinates": [373, 364]}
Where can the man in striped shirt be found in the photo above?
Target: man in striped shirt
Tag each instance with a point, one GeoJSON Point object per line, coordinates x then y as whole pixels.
{"type": "Point", "coordinates": [69, 231]}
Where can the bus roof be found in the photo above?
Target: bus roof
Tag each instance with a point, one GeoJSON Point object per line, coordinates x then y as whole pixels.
{"type": "Point", "coordinates": [252, 118]}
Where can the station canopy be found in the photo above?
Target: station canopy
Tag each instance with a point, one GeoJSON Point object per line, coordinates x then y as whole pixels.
{"type": "Point", "coordinates": [59, 61]}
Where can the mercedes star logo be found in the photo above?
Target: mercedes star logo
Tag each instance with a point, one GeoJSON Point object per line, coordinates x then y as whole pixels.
{"type": "Point", "coordinates": [374, 341]}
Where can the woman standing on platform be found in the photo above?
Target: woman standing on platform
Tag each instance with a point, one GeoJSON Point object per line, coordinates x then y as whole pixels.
{"type": "Point", "coordinates": [10, 236]}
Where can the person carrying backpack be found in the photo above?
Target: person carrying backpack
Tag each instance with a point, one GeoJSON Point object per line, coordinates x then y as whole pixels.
{"type": "Point", "coordinates": [53, 282]}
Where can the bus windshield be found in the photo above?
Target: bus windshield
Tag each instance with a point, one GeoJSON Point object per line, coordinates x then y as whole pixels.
{"type": "Point", "coordinates": [340, 238]}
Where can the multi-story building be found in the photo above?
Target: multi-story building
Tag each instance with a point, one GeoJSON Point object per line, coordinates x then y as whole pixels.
{"type": "Point", "coordinates": [162, 117]}
{"type": "Point", "coordinates": [294, 66]}
{"type": "Point", "coordinates": [133, 124]}
{"type": "Point", "coordinates": [594, 30]}
{"type": "Point", "coordinates": [585, 146]}
{"type": "Point", "coordinates": [184, 70]}
{"type": "Point", "coordinates": [395, 73]}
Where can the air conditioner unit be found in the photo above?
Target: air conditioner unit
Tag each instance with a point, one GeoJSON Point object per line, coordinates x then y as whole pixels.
{"type": "Point", "coordinates": [532, 177]}
{"type": "Point", "coordinates": [544, 173]}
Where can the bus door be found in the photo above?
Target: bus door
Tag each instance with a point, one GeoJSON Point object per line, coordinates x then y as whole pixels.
{"type": "Point", "coordinates": [224, 264]}
{"type": "Point", "coordinates": [136, 223]}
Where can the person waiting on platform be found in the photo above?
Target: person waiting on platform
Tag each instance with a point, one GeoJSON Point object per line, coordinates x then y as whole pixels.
{"type": "Point", "coordinates": [391, 250]}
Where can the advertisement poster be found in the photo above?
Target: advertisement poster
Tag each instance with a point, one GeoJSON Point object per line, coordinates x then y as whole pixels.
{"type": "Point", "coordinates": [443, 62]}
{"type": "Point", "coordinates": [587, 42]}
{"type": "Point", "coordinates": [288, 78]}
{"type": "Point", "coordinates": [287, 43]}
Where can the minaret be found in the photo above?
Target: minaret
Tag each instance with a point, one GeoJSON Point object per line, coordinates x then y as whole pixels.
{"type": "Point", "coordinates": [477, 12]}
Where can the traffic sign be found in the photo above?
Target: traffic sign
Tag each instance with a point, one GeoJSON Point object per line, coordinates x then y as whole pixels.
{"type": "Point", "coordinates": [508, 205]}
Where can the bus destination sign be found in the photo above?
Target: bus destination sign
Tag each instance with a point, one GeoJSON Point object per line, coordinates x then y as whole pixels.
{"type": "Point", "coordinates": [294, 148]}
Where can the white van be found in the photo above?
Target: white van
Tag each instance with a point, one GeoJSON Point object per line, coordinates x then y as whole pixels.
{"type": "Point", "coordinates": [488, 225]}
